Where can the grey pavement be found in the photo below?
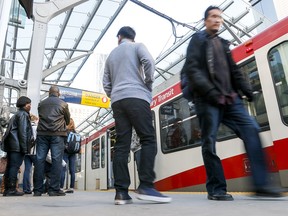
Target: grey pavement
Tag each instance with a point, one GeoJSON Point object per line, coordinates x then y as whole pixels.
{"type": "Point", "coordinates": [100, 203]}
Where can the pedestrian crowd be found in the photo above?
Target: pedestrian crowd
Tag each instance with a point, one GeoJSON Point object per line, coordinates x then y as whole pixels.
{"type": "Point", "coordinates": [40, 143]}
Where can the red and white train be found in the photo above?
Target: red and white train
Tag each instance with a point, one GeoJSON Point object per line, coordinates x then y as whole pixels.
{"type": "Point", "coordinates": [179, 165]}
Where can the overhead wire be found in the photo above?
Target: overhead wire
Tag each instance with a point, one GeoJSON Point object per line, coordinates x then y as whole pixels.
{"type": "Point", "coordinates": [170, 19]}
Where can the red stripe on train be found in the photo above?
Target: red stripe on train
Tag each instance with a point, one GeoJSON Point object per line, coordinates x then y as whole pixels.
{"type": "Point", "coordinates": [280, 149]}
{"type": "Point", "coordinates": [234, 167]}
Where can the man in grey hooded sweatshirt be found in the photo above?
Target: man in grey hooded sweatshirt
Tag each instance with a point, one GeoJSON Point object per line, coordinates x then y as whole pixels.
{"type": "Point", "coordinates": [128, 77]}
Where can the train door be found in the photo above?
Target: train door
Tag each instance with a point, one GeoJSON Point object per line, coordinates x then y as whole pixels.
{"type": "Point", "coordinates": [111, 140]}
{"type": "Point", "coordinates": [103, 162]}
{"type": "Point", "coordinates": [81, 170]}
{"type": "Point", "coordinates": [276, 91]}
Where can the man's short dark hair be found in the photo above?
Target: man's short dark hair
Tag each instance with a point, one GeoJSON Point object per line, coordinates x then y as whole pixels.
{"type": "Point", "coordinates": [127, 32]}
{"type": "Point", "coordinates": [211, 7]}
{"type": "Point", "coordinates": [54, 90]}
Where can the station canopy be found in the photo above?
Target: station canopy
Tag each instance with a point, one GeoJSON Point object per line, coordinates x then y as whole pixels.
{"type": "Point", "coordinates": [78, 32]}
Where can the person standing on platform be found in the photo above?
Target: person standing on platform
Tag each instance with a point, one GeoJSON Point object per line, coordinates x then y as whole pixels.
{"type": "Point", "coordinates": [30, 158]}
{"type": "Point", "coordinates": [217, 85]}
{"type": "Point", "coordinates": [16, 142]}
{"type": "Point", "coordinates": [4, 118]}
{"type": "Point", "coordinates": [54, 115]}
{"type": "Point", "coordinates": [128, 77]}
{"type": "Point", "coordinates": [70, 159]}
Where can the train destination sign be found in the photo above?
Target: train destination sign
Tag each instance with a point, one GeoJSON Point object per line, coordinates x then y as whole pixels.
{"type": "Point", "coordinates": [78, 96]}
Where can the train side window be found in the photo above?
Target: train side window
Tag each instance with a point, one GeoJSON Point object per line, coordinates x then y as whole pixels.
{"type": "Point", "coordinates": [278, 61]}
{"type": "Point", "coordinates": [103, 152]}
{"type": "Point", "coordinates": [95, 151]}
{"type": "Point", "coordinates": [179, 115]}
{"type": "Point", "coordinates": [179, 125]}
{"type": "Point", "coordinates": [78, 163]}
{"type": "Point", "coordinates": [257, 108]}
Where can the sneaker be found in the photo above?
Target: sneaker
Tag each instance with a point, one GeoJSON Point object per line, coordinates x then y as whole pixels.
{"type": "Point", "coordinates": [122, 198]}
{"type": "Point", "coordinates": [70, 190]}
{"type": "Point", "coordinates": [151, 194]}
{"type": "Point", "coordinates": [269, 192]}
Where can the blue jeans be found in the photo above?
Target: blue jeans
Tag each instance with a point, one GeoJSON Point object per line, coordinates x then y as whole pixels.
{"type": "Point", "coordinates": [14, 161]}
{"type": "Point", "coordinates": [56, 145]}
{"type": "Point", "coordinates": [237, 118]}
{"type": "Point", "coordinates": [128, 113]}
{"type": "Point", "coordinates": [70, 160]}
{"type": "Point", "coordinates": [28, 161]}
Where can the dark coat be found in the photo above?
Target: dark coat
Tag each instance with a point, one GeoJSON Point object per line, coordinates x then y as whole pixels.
{"type": "Point", "coordinates": [200, 72]}
{"type": "Point", "coordinates": [54, 115]}
{"type": "Point", "coordinates": [18, 135]}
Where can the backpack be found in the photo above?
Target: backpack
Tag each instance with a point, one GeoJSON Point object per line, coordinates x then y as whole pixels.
{"type": "Point", "coordinates": [73, 143]}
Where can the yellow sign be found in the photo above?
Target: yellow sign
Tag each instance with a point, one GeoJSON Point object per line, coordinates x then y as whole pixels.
{"type": "Point", "coordinates": [95, 99]}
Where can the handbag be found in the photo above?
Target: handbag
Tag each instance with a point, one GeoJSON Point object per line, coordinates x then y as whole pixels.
{"type": "Point", "coordinates": [3, 164]}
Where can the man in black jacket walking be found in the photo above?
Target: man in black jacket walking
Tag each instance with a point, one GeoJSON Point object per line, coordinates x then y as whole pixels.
{"type": "Point", "coordinates": [217, 84]}
{"type": "Point", "coordinates": [54, 115]}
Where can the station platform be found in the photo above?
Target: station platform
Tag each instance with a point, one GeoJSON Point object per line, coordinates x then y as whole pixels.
{"type": "Point", "coordinates": [100, 203]}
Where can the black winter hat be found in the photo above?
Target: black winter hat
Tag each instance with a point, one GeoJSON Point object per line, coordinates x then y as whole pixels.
{"type": "Point", "coordinates": [127, 32]}
{"type": "Point", "coordinates": [22, 101]}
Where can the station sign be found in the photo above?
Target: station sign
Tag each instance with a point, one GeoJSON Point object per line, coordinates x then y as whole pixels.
{"type": "Point", "coordinates": [88, 98]}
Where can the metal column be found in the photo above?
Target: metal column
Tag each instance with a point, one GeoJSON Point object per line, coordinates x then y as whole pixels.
{"type": "Point", "coordinates": [43, 13]}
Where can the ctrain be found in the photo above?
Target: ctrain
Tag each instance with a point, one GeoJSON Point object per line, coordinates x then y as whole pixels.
{"type": "Point", "coordinates": [179, 165]}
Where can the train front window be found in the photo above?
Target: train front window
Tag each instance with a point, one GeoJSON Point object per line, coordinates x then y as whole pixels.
{"type": "Point", "coordinates": [278, 60]}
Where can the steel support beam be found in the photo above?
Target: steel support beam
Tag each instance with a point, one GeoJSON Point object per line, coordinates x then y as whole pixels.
{"type": "Point", "coordinates": [43, 13]}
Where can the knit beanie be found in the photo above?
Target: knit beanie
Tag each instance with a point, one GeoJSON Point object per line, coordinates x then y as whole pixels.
{"type": "Point", "coordinates": [22, 101]}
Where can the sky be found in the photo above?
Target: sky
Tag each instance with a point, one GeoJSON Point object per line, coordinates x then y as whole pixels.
{"type": "Point", "coordinates": [152, 30]}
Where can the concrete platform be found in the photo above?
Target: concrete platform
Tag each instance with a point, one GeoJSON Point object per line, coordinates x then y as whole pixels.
{"type": "Point", "coordinates": [100, 203]}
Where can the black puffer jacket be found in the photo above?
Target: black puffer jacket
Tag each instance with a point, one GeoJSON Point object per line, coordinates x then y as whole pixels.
{"type": "Point", "coordinates": [19, 133]}
{"type": "Point", "coordinates": [54, 115]}
{"type": "Point", "coordinates": [200, 72]}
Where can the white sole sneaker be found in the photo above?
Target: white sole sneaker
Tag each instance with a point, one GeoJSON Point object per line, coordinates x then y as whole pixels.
{"type": "Point", "coordinates": [154, 198]}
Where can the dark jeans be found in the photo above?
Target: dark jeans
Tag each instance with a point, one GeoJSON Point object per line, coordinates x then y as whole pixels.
{"type": "Point", "coordinates": [70, 160]}
{"type": "Point", "coordinates": [28, 161]}
{"type": "Point", "coordinates": [237, 118]}
{"type": "Point", "coordinates": [56, 145]}
{"type": "Point", "coordinates": [128, 113]}
{"type": "Point", "coordinates": [14, 161]}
